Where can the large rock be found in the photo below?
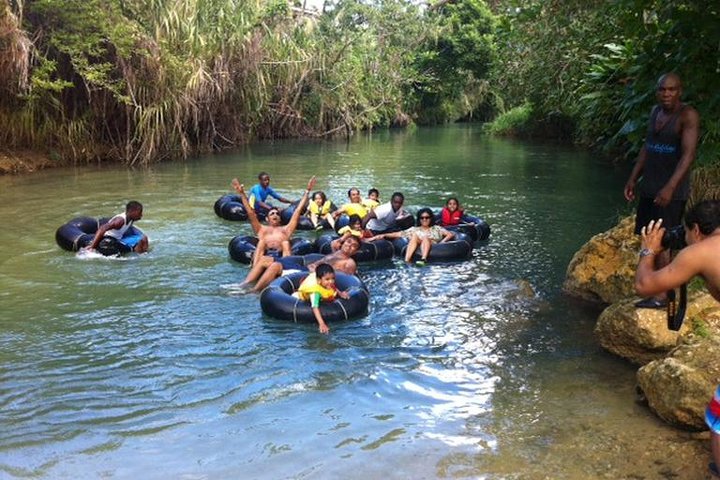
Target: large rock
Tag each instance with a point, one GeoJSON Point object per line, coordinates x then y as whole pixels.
{"type": "Point", "coordinates": [678, 387]}
{"type": "Point", "coordinates": [640, 335]}
{"type": "Point", "coordinates": [603, 270]}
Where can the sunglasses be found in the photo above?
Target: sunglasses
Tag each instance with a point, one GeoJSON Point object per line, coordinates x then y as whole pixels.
{"type": "Point", "coordinates": [425, 217]}
{"type": "Point", "coordinates": [273, 213]}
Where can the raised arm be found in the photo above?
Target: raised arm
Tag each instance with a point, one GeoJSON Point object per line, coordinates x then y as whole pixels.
{"type": "Point", "coordinates": [292, 224]}
{"type": "Point", "coordinates": [240, 189]}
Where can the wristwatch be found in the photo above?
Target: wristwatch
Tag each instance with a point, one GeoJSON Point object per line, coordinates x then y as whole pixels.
{"type": "Point", "coordinates": [646, 252]}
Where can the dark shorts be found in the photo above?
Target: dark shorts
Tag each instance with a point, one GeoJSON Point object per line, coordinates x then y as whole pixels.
{"type": "Point", "coordinates": [112, 246]}
{"type": "Point", "coordinates": [647, 210]}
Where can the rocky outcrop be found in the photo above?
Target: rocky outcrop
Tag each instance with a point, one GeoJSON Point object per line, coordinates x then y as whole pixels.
{"type": "Point", "coordinates": [678, 387]}
{"type": "Point", "coordinates": [604, 268]}
{"type": "Point", "coordinates": [641, 335]}
{"type": "Point", "coordinates": [681, 369]}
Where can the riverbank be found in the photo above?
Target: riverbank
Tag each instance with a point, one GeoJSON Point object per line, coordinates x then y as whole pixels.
{"type": "Point", "coordinates": [24, 161]}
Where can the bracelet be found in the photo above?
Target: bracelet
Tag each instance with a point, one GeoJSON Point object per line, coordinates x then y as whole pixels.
{"type": "Point", "coordinates": [646, 252]}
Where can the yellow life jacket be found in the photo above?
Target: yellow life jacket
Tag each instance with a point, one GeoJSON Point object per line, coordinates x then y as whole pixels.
{"type": "Point", "coordinates": [347, 228]}
{"type": "Point", "coordinates": [310, 285]}
{"type": "Point", "coordinates": [370, 204]}
{"type": "Point", "coordinates": [324, 210]}
{"type": "Point", "coordinates": [355, 209]}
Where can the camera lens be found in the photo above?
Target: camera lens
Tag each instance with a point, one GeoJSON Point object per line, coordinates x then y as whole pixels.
{"type": "Point", "coordinates": [674, 238]}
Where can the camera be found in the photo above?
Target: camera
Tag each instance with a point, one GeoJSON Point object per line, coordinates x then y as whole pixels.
{"type": "Point", "coordinates": [674, 238]}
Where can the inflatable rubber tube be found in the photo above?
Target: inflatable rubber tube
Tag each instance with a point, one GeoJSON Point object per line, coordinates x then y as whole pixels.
{"type": "Point", "coordinates": [474, 227]}
{"type": "Point", "coordinates": [79, 232]}
{"type": "Point", "coordinates": [456, 249]}
{"type": "Point", "coordinates": [230, 207]}
{"type": "Point", "coordinates": [276, 300]}
{"type": "Point", "coordinates": [242, 248]}
{"type": "Point", "coordinates": [109, 246]}
{"type": "Point", "coordinates": [304, 223]}
{"type": "Point", "coordinates": [342, 221]}
{"type": "Point", "coordinates": [403, 223]}
{"type": "Point", "coordinates": [368, 251]}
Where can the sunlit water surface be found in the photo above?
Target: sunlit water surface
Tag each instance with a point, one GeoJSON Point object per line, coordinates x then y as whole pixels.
{"type": "Point", "coordinates": [154, 367]}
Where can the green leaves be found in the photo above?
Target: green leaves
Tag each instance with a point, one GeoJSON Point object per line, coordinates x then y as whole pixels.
{"type": "Point", "coordinates": [598, 61]}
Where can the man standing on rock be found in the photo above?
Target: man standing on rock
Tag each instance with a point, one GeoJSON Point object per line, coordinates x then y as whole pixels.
{"type": "Point", "coordinates": [664, 164]}
{"type": "Point", "coordinates": [701, 257]}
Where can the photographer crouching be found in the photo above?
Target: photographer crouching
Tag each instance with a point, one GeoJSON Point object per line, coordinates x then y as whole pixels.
{"type": "Point", "coordinates": [700, 257]}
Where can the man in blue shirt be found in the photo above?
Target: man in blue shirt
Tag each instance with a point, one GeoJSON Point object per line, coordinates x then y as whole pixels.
{"type": "Point", "coordinates": [261, 191]}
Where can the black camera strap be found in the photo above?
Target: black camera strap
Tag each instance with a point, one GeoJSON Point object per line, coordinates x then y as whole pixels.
{"type": "Point", "coordinates": [676, 309]}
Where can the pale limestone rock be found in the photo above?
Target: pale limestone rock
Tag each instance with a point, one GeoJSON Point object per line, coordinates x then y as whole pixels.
{"type": "Point", "coordinates": [678, 387]}
{"type": "Point", "coordinates": [604, 268]}
{"type": "Point", "coordinates": [640, 335]}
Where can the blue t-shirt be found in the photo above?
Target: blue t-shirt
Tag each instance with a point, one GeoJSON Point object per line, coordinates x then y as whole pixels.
{"type": "Point", "coordinates": [261, 194]}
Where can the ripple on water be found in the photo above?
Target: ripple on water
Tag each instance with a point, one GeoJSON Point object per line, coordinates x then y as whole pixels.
{"type": "Point", "coordinates": [459, 370]}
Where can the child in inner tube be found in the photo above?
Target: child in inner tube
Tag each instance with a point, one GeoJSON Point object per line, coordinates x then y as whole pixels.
{"type": "Point", "coordinates": [320, 286]}
{"type": "Point", "coordinates": [319, 210]}
{"type": "Point", "coordinates": [452, 213]}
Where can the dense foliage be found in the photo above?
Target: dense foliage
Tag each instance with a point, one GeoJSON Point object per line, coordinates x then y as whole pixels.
{"type": "Point", "coordinates": [593, 66]}
{"type": "Point", "coordinates": [142, 80]}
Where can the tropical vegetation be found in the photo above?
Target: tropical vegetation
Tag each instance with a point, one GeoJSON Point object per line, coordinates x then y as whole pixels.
{"type": "Point", "coordinates": [590, 66]}
{"type": "Point", "coordinates": [139, 81]}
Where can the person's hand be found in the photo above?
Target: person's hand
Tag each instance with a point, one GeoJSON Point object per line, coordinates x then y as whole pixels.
{"type": "Point", "coordinates": [629, 191]}
{"type": "Point", "coordinates": [651, 236]}
{"type": "Point", "coordinates": [664, 196]}
{"type": "Point", "coordinates": [239, 187]}
{"type": "Point", "coordinates": [344, 295]}
{"type": "Point", "coordinates": [323, 328]}
{"type": "Point", "coordinates": [311, 183]}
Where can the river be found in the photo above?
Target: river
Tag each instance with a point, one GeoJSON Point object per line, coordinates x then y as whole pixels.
{"type": "Point", "coordinates": [154, 367]}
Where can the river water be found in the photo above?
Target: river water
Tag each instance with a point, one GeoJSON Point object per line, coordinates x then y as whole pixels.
{"type": "Point", "coordinates": [154, 367]}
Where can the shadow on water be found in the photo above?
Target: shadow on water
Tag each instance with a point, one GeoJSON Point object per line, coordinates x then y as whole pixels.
{"type": "Point", "coordinates": [155, 367]}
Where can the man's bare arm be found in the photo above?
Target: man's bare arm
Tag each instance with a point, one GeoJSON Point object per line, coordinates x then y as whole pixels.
{"type": "Point", "coordinates": [240, 189]}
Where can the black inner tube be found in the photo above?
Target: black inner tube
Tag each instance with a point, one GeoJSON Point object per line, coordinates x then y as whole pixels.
{"type": "Point", "coordinates": [277, 301]}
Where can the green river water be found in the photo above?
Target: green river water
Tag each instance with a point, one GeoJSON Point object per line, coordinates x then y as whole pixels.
{"type": "Point", "coordinates": [154, 367]}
